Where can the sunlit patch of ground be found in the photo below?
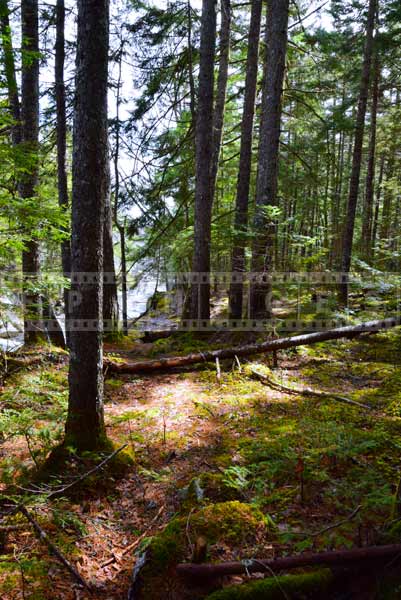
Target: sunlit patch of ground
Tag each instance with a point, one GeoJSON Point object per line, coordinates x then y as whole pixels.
{"type": "Point", "coordinates": [308, 464]}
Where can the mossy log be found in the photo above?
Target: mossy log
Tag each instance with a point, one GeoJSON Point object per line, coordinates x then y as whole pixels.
{"type": "Point", "coordinates": [161, 364]}
{"type": "Point", "coordinates": [307, 559]}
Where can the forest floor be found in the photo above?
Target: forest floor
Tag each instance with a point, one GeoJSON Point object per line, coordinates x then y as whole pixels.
{"type": "Point", "coordinates": [323, 474]}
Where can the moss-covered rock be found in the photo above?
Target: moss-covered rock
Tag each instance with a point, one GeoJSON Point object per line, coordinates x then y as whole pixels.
{"type": "Point", "coordinates": [233, 523]}
{"type": "Point", "coordinates": [226, 524]}
{"type": "Point", "coordinates": [299, 587]}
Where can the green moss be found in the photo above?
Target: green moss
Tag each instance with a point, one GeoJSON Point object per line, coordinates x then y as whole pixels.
{"type": "Point", "coordinates": [231, 522]}
{"type": "Point", "coordinates": [114, 383]}
{"type": "Point", "coordinates": [223, 459]}
{"type": "Point", "coordinates": [228, 523]}
{"type": "Point", "coordinates": [115, 336]}
{"type": "Point", "coordinates": [168, 547]}
{"type": "Point", "coordinates": [183, 343]}
{"type": "Point", "coordinates": [6, 566]}
{"type": "Point", "coordinates": [391, 391]}
{"type": "Point", "coordinates": [306, 586]}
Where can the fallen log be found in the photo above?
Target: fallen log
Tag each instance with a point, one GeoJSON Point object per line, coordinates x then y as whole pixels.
{"type": "Point", "coordinates": [249, 349]}
{"type": "Point", "coordinates": [307, 559]}
{"type": "Point", "coordinates": [11, 364]}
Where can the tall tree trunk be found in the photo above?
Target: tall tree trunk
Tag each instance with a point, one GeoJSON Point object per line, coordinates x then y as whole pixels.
{"type": "Point", "coordinates": [268, 158]}
{"type": "Point", "coordinates": [336, 204]}
{"type": "Point", "coordinates": [85, 420]}
{"type": "Point", "coordinates": [245, 161]}
{"type": "Point", "coordinates": [120, 226]}
{"type": "Point", "coordinates": [33, 327]}
{"type": "Point", "coordinates": [385, 225]}
{"type": "Point", "coordinates": [191, 81]}
{"type": "Point", "coordinates": [200, 292]}
{"type": "Point", "coordinates": [222, 77]}
{"type": "Point", "coordinates": [370, 175]}
{"type": "Point", "coordinates": [377, 206]}
{"type": "Point", "coordinates": [348, 234]}
{"type": "Point", "coordinates": [124, 289]}
{"type": "Point", "coordinates": [61, 130]}
{"type": "Point", "coordinates": [10, 72]}
{"type": "Point", "coordinates": [110, 300]}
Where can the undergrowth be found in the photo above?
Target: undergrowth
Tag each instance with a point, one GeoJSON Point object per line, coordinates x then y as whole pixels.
{"type": "Point", "coordinates": [322, 474]}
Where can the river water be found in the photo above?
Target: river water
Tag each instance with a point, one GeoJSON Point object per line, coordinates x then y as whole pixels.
{"type": "Point", "coordinates": [11, 323]}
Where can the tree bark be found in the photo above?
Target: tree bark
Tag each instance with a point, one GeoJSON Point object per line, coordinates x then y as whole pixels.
{"type": "Point", "coordinates": [10, 72]}
{"type": "Point", "coordinates": [110, 299]}
{"type": "Point", "coordinates": [222, 77]}
{"type": "Point", "coordinates": [348, 234]}
{"type": "Point", "coordinates": [386, 216]}
{"type": "Point", "coordinates": [120, 225]}
{"type": "Point", "coordinates": [61, 132]}
{"type": "Point", "coordinates": [249, 349]}
{"type": "Point", "coordinates": [245, 161]}
{"type": "Point", "coordinates": [85, 420]}
{"type": "Point", "coordinates": [200, 292]}
{"type": "Point", "coordinates": [124, 290]}
{"type": "Point", "coordinates": [33, 327]}
{"type": "Point", "coordinates": [367, 224]}
{"type": "Point", "coordinates": [192, 92]}
{"type": "Point", "coordinates": [268, 158]}
{"type": "Point", "coordinates": [377, 205]}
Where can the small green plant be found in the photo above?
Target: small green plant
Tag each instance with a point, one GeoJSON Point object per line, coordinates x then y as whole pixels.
{"type": "Point", "coordinates": [236, 477]}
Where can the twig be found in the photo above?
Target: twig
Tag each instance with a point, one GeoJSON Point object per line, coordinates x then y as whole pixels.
{"type": "Point", "coordinates": [238, 363]}
{"type": "Point", "coordinates": [329, 527]}
{"type": "Point", "coordinates": [42, 535]}
{"type": "Point", "coordinates": [32, 454]}
{"type": "Point", "coordinates": [218, 370]}
{"type": "Point", "coordinates": [339, 523]}
{"type": "Point", "coordinates": [305, 391]}
{"type": "Point", "coordinates": [23, 582]}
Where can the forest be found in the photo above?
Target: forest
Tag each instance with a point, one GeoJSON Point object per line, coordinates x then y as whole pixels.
{"type": "Point", "coordinates": [200, 306]}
